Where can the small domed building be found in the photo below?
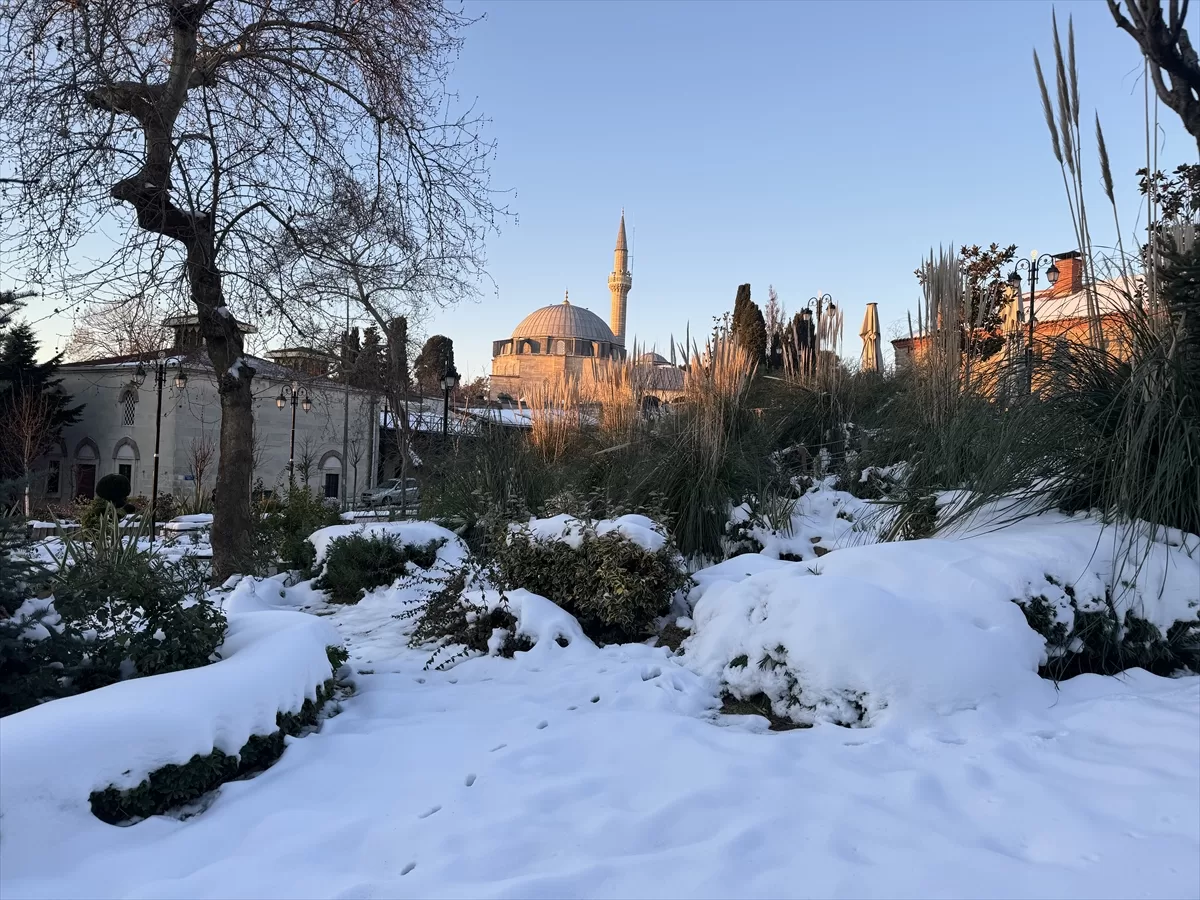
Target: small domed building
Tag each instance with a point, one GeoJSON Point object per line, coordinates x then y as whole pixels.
{"type": "Point", "coordinates": [564, 340]}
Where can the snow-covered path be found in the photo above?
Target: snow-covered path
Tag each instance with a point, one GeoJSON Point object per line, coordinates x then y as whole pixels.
{"type": "Point", "coordinates": [584, 772]}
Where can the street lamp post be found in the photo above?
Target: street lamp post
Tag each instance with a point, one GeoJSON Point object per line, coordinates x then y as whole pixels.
{"type": "Point", "coordinates": [449, 383]}
{"type": "Point", "coordinates": [813, 312]}
{"type": "Point", "coordinates": [161, 365]}
{"type": "Point", "coordinates": [297, 395]}
{"type": "Point", "coordinates": [1031, 265]}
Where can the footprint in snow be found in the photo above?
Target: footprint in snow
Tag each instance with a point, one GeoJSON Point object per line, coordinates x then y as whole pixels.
{"type": "Point", "coordinates": [408, 868]}
{"type": "Point", "coordinates": [572, 707]}
{"type": "Point", "coordinates": [596, 699]}
{"type": "Point", "coordinates": [497, 747]}
{"type": "Point", "coordinates": [542, 724]}
{"type": "Point", "coordinates": [651, 673]}
{"type": "Point", "coordinates": [469, 780]}
{"type": "Point", "coordinates": [429, 812]}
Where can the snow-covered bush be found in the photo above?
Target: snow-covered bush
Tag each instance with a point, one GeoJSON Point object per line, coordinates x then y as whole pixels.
{"type": "Point", "coordinates": [928, 626]}
{"type": "Point", "coordinates": [459, 620]}
{"type": "Point", "coordinates": [150, 744]}
{"type": "Point", "coordinates": [118, 611]}
{"type": "Point", "coordinates": [1087, 630]}
{"type": "Point", "coordinates": [356, 563]}
{"type": "Point", "coordinates": [175, 785]}
{"type": "Point", "coordinates": [836, 648]}
{"type": "Point", "coordinates": [821, 519]}
{"type": "Point", "coordinates": [615, 576]}
{"type": "Point", "coordinates": [139, 613]}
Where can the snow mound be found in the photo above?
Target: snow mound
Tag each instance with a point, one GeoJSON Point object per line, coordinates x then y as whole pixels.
{"type": "Point", "coordinates": [53, 756]}
{"type": "Point", "coordinates": [922, 627]}
{"type": "Point", "coordinates": [823, 519]}
{"type": "Point", "coordinates": [643, 531]}
{"type": "Point", "coordinates": [839, 649]}
{"type": "Point", "coordinates": [453, 551]}
{"type": "Point", "coordinates": [540, 620]}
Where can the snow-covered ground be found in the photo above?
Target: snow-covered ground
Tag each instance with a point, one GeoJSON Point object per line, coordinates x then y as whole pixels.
{"type": "Point", "coordinates": [579, 771]}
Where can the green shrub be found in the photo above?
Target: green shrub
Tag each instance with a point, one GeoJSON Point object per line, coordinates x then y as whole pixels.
{"type": "Point", "coordinates": [145, 612]}
{"type": "Point", "coordinates": [30, 670]}
{"type": "Point", "coordinates": [113, 488]}
{"type": "Point", "coordinates": [1098, 639]}
{"type": "Point", "coordinates": [359, 562]}
{"type": "Point", "coordinates": [284, 528]}
{"type": "Point", "coordinates": [91, 515]}
{"type": "Point", "coordinates": [118, 612]}
{"type": "Point", "coordinates": [176, 785]}
{"type": "Point", "coordinates": [447, 620]}
{"type": "Point", "coordinates": [612, 585]}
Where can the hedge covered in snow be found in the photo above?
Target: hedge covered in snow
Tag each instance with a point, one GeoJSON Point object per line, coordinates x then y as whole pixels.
{"type": "Point", "coordinates": [938, 625]}
{"type": "Point", "coordinates": [55, 759]}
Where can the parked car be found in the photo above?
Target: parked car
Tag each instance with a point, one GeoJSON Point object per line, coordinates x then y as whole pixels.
{"type": "Point", "coordinates": [391, 493]}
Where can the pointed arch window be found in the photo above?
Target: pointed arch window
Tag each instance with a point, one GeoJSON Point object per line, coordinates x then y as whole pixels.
{"type": "Point", "coordinates": [128, 404]}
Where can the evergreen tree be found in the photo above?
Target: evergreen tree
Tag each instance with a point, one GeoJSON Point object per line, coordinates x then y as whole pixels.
{"type": "Point", "coordinates": [371, 364]}
{"type": "Point", "coordinates": [435, 360]}
{"type": "Point", "coordinates": [28, 387]}
{"type": "Point", "coordinates": [749, 326]}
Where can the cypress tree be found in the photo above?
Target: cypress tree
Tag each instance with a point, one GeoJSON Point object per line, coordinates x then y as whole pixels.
{"type": "Point", "coordinates": [749, 326]}
{"type": "Point", "coordinates": [21, 375]}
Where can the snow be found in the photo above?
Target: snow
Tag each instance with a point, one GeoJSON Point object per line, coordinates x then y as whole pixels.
{"type": "Point", "coordinates": [538, 619]}
{"type": "Point", "coordinates": [844, 641]}
{"type": "Point", "coordinates": [822, 517]}
{"type": "Point", "coordinates": [590, 771]}
{"type": "Point", "coordinates": [54, 755]}
{"type": "Point", "coordinates": [643, 531]}
{"type": "Point", "coordinates": [414, 533]}
{"type": "Point", "coordinates": [193, 522]}
{"type": "Point", "coordinates": [920, 628]}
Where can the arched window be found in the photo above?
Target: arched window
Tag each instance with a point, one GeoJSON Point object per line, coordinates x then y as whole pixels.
{"type": "Point", "coordinates": [126, 457]}
{"type": "Point", "coordinates": [128, 403]}
{"type": "Point", "coordinates": [54, 469]}
{"type": "Point", "coordinates": [560, 348]}
{"type": "Point", "coordinates": [87, 455]}
{"type": "Point", "coordinates": [331, 474]}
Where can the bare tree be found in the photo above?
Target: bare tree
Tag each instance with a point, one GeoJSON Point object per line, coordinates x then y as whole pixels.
{"type": "Point", "coordinates": [201, 454]}
{"type": "Point", "coordinates": [1171, 58]}
{"type": "Point", "coordinates": [306, 460]}
{"type": "Point", "coordinates": [358, 449]}
{"type": "Point", "coordinates": [218, 124]}
{"type": "Point", "coordinates": [30, 430]}
{"type": "Point", "coordinates": [129, 325]}
{"type": "Point", "coordinates": [360, 246]}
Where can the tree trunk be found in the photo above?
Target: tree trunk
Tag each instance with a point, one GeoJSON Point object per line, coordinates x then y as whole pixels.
{"type": "Point", "coordinates": [397, 378]}
{"type": "Point", "coordinates": [233, 526]}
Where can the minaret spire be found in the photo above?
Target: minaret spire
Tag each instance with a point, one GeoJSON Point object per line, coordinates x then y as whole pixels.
{"type": "Point", "coordinates": [619, 283]}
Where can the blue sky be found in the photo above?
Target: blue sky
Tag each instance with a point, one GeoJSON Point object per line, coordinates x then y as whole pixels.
{"type": "Point", "coordinates": [812, 146]}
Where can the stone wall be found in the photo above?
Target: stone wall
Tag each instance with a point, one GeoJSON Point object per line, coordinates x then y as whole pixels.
{"type": "Point", "coordinates": [191, 424]}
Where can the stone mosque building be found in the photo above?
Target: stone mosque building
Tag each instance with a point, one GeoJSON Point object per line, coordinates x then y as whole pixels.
{"type": "Point", "coordinates": [567, 341]}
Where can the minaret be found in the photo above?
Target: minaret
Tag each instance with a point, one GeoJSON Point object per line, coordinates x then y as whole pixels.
{"type": "Point", "coordinates": [619, 283]}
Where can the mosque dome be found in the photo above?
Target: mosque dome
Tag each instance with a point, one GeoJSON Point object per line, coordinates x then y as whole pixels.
{"type": "Point", "coordinates": [562, 320]}
{"type": "Point", "coordinates": [652, 359]}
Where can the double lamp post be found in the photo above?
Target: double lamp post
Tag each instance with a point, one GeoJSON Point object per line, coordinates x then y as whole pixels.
{"type": "Point", "coordinates": [1032, 266]}
{"type": "Point", "coordinates": [160, 367]}
{"type": "Point", "coordinates": [297, 395]}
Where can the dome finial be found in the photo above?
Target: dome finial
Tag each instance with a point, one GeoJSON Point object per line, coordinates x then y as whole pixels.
{"type": "Point", "coordinates": [566, 298]}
